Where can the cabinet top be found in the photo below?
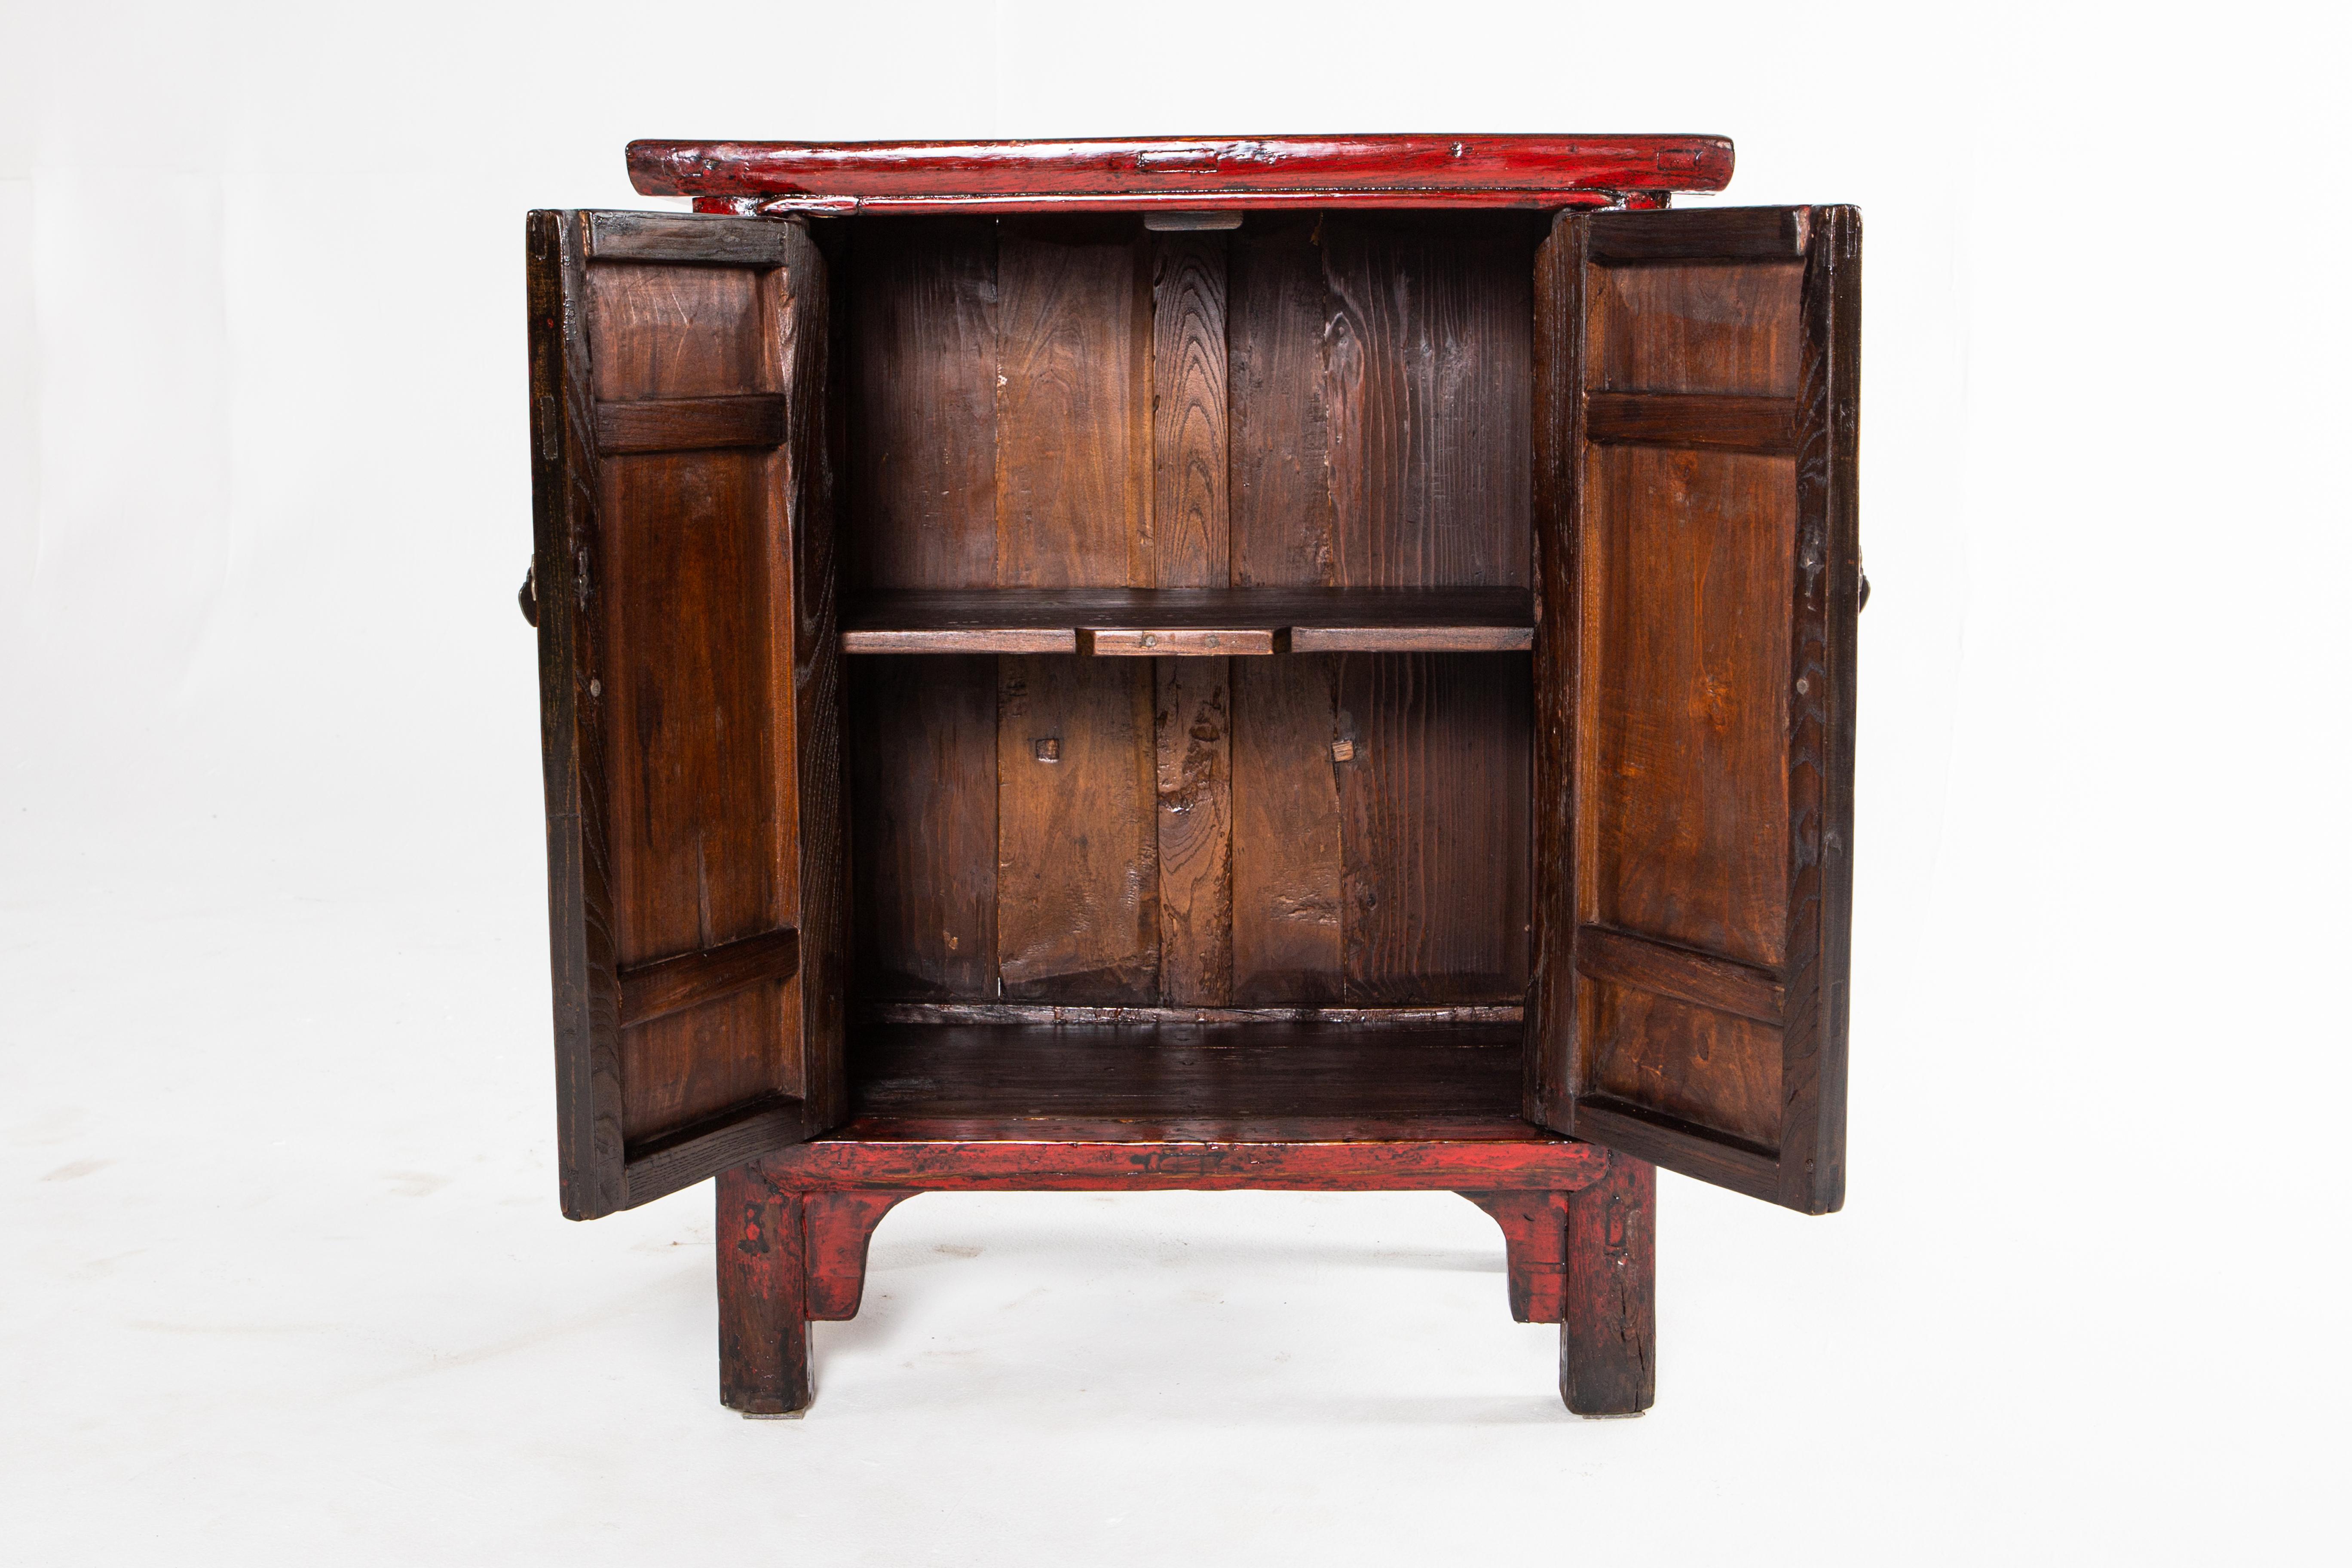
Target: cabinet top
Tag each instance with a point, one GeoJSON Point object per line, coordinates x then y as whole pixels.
{"type": "Point", "coordinates": [1181, 172]}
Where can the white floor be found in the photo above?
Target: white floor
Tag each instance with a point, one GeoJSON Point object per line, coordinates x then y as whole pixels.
{"type": "Point", "coordinates": [287, 1283]}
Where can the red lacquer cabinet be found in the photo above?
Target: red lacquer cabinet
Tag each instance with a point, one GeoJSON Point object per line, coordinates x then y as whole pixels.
{"type": "Point", "coordinates": [1284, 662]}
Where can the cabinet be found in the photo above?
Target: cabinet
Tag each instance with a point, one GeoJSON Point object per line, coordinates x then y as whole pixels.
{"type": "Point", "coordinates": [1301, 662]}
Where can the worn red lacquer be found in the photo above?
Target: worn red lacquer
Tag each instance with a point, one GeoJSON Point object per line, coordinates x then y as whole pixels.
{"type": "Point", "coordinates": [1184, 173]}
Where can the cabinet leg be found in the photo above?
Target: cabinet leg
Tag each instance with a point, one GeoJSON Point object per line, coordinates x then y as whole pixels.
{"type": "Point", "coordinates": [1535, 1249]}
{"type": "Point", "coordinates": [838, 1227]}
{"type": "Point", "coordinates": [763, 1337]}
{"type": "Point", "coordinates": [1608, 1334]}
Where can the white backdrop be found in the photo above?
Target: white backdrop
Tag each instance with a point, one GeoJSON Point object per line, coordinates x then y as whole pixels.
{"type": "Point", "coordinates": [284, 1275]}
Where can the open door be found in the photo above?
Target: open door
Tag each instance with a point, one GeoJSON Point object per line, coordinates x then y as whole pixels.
{"type": "Point", "coordinates": [1701, 575]}
{"type": "Point", "coordinates": [690, 682]}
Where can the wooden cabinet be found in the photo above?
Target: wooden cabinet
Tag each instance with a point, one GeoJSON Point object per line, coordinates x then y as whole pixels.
{"type": "Point", "coordinates": [1196, 664]}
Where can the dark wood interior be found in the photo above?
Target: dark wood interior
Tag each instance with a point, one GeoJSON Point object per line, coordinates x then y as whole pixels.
{"type": "Point", "coordinates": [1305, 438]}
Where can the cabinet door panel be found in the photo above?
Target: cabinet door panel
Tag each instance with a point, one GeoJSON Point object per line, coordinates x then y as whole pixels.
{"type": "Point", "coordinates": [689, 678]}
{"type": "Point", "coordinates": [1700, 570]}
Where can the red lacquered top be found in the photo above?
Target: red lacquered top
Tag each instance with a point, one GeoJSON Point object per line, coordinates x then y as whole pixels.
{"type": "Point", "coordinates": [1206, 174]}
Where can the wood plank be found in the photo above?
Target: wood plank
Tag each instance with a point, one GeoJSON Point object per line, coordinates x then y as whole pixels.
{"type": "Point", "coordinates": [1435, 838]}
{"type": "Point", "coordinates": [1072, 431]}
{"type": "Point", "coordinates": [1694, 1151]}
{"type": "Point", "coordinates": [1190, 526]}
{"type": "Point", "coordinates": [1483, 616]}
{"type": "Point", "coordinates": [1820, 678]}
{"type": "Point", "coordinates": [679, 1159]}
{"type": "Point", "coordinates": [1038, 1013]}
{"type": "Point", "coordinates": [1558, 377]}
{"type": "Point", "coordinates": [1210, 1070]}
{"type": "Point", "coordinates": [566, 526]}
{"type": "Point", "coordinates": [1724, 424]}
{"type": "Point", "coordinates": [962, 640]}
{"type": "Point", "coordinates": [1665, 969]}
{"type": "Point", "coordinates": [1198, 171]}
{"type": "Point", "coordinates": [688, 423]}
{"type": "Point", "coordinates": [923, 748]}
{"type": "Point", "coordinates": [650, 991]}
{"type": "Point", "coordinates": [1411, 639]}
{"type": "Point", "coordinates": [1709, 234]}
{"type": "Point", "coordinates": [1710, 1068]}
{"type": "Point", "coordinates": [1193, 728]}
{"type": "Point", "coordinates": [923, 335]}
{"type": "Point", "coordinates": [1686, 694]}
{"type": "Point", "coordinates": [1280, 435]}
{"type": "Point", "coordinates": [1428, 386]}
{"type": "Point", "coordinates": [1077, 881]}
{"type": "Point", "coordinates": [1725, 327]}
{"type": "Point", "coordinates": [678, 332]}
{"type": "Point", "coordinates": [1150, 642]}
{"type": "Point", "coordinates": [1286, 855]}
{"type": "Point", "coordinates": [696, 833]}
{"type": "Point", "coordinates": [680, 237]}
{"type": "Point", "coordinates": [804, 672]}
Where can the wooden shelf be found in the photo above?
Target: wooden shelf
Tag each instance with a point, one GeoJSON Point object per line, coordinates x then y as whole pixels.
{"type": "Point", "coordinates": [1201, 621]}
{"type": "Point", "coordinates": [1395, 1082]}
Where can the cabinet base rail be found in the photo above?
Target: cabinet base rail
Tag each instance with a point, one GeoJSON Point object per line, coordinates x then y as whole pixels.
{"type": "Point", "coordinates": [1578, 1224]}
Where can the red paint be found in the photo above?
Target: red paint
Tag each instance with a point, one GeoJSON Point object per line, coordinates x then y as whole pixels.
{"type": "Point", "coordinates": [1188, 173]}
{"type": "Point", "coordinates": [1535, 1243]}
{"type": "Point", "coordinates": [849, 1161]}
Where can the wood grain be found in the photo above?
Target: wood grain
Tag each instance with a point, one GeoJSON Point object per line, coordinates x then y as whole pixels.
{"type": "Point", "coordinates": [1699, 1064]}
{"type": "Point", "coordinates": [1175, 1071]}
{"type": "Point", "coordinates": [923, 750]}
{"type": "Point", "coordinates": [1718, 424]}
{"type": "Point", "coordinates": [1703, 233]}
{"type": "Point", "coordinates": [1535, 1241]}
{"type": "Point", "coordinates": [1701, 327]}
{"type": "Point", "coordinates": [1173, 642]}
{"type": "Point", "coordinates": [1184, 173]}
{"type": "Point", "coordinates": [1072, 431]}
{"type": "Point", "coordinates": [1558, 380]}
{"type": "Point", "coordinates": [1609, 1322]}
{"type": "Point", "coordinates": [1664, 969]}
{"type": "Point", "coordinates": [763, 1360]}
{"type": "Point", "coordinates": [1286, 855]}
{"type": "Point", "coordinates": [566, 528]}
{"type": "Point", "coordinates": [1427, 388]}
{"type": "Point", "coordinates": [923, 374]}
{"type": "Point", "coordinates": [1190, 527]}
{"type": "Point", "coordinates": [1687, 751]}
{"type": "Point", "coordinates": [676, 236]}
{"type": "Point", "coordinates": [1281, 498]}
{"type": "Point", "coordinates": [1064, 1154]}
{"type": "Point", "coordinates": [688, 423]}
{"type": "Point", "coordinates": [1193, 756]}
{"type": "Point", "coordinates": [837, 1228]}
{"type": "Point", "coordinates": [1050, 1013]}
{"type": "Point", "coordinates": [696, 978]}
{"type": "Point", "coordinates": [1077, 879]}
{"type": "Point", "coordinates": [1434, 836]}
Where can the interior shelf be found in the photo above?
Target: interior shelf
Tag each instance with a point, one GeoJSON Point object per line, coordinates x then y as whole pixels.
{"type": "Point", "coordinates": [1211, 621]}
{"type": "Point", "coordinates": [1201, 1081]}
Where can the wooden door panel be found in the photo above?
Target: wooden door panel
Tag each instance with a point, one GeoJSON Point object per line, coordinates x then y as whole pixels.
{"type": "Point", "coordinates": [688, 671]}
{"type": "Point", "coordinates": [1699, 576]}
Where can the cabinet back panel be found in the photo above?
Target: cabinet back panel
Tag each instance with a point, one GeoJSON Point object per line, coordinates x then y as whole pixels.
{"type": "Point", "coordinates": [1311, 400]}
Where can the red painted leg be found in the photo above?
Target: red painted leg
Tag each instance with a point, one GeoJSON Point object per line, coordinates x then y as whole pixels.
{"type": "Point", "coordinates": [1608, 1336]}
{"type": "Point", "coordinates": [1535, 1249]}
{"type": "Point", "coordinates": [763, 1360]}
{"type": "Point", "coordinates": [838, 1227]}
